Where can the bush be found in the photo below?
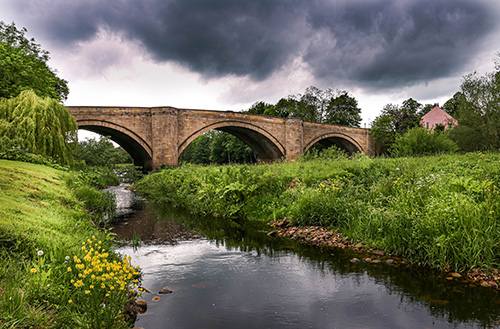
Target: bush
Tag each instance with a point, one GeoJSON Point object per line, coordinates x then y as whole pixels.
{"type": "Point", "coordinates": [420, 141]}
{"type": "Point", "coordinates": [86, 185]}
{"type": "Point", "coordinates": [468, 139]}
{"type": "Point", "coordinates": [94, 176]}
{"type": "Point", "coordinates": [329, 153]}
{"type": "Point", "coordinates": [17, 154]}
{"type": "Point", "coordinates": [100, 204]}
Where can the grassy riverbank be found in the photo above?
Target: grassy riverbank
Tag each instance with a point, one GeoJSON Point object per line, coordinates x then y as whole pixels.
{"type": "Point", "coordinates": [440, 211]}
{"type": "Point", "coordinates": [58, 269]}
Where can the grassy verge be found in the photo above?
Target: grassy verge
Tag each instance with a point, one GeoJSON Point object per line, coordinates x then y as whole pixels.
{"type": "Point", "coordinates": [439, 211]}
{"type": "Point", "coordinates": [58, 269]}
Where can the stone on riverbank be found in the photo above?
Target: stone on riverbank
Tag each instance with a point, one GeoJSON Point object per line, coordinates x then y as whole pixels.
{"type": "Point", "coordinates": [142, 305]}
{"type": "Point", "coordinates": [320, 236]}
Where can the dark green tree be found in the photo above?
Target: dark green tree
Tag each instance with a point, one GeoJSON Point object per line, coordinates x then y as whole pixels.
{"type": "Point", "coordinates": [315, 105]}
{"type": "Point", "coordinates": [451, 106]}
{"type": "Point", "coordinates": [217, 147]}
{"type": "Point", "coordinates": [478, 112]}
{"type": "Point", "coordinates": [311, 106]}
{"type": "Point", "coordinates": [384, 129]}
{"type": "Point", "coordinates": [226, 148]}
{"type": "Point", "coordinates": [284, 107]}
{"type": "Point", "coordinates": [407, 115]}
{"type": "Point", "coordinates": [24, 66]}
{"type": "Point", "coordinates": [260, 108]}
{"type": "Point", "coordinates": [343, 110]}
{"type": "Point", "coordinates": [420, 141]}
{"type": "Point", "coordinates": [395, 121]}
{"type": "Point", "coordinates": [101, 153]}
{"type": "Point", "coordinates": [198, 151]}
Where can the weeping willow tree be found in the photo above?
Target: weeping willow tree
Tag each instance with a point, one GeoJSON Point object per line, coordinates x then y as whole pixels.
{"type": "Point", "coordinates": [37, 125]}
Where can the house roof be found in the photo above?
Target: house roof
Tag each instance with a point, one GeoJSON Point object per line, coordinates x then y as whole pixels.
{"type": "Point", "coordinates": [437, 112]}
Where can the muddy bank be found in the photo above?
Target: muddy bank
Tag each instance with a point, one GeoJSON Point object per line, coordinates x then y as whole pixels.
{"type": "Point", "coordinates": [320, 236]}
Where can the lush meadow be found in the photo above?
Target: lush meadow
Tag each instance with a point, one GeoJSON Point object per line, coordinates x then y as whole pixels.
{"type": "Point", "coordinates": [438, 211]}
{"type": "Point", "coordinates": [58, 268]}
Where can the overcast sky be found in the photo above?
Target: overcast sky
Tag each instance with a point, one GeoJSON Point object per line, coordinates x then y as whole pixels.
{"type": "Point", "coordinates": [229, 54]}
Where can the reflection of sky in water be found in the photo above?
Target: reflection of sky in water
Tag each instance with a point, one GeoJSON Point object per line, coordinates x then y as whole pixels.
{"type": "Point", "coordinates": [126, 201]}
{"type": "Point", "coordinates": [217, 288]}
{"type": "Point", "coordinates": [248, 280]}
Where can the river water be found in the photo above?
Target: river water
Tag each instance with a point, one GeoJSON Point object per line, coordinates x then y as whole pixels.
{"type": "Point", "coordinates": [225, 274]}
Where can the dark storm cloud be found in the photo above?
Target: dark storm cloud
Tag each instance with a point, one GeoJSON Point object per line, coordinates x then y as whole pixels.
{"type": "Point", "coordinates": [388, 43]}
{"type": "Point", "coordinates": [380, 43]}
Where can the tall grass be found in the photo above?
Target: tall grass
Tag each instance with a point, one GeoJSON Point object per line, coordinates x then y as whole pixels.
{"type": "Point", "coordinates": [440, 211]}
{"type": "Point", "coordinates": [42, 228]}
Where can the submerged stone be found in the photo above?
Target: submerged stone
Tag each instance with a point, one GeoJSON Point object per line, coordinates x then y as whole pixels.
{"type": "Point", "coordinates": [165, 291]}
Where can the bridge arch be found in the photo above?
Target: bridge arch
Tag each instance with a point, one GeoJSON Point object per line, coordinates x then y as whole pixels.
{"type": "Point", "coordinates": [264, 144]}
{"type": "Point", "coordinates": [342, 141]}
{"type": "Point", "coordinates": [139, 150]}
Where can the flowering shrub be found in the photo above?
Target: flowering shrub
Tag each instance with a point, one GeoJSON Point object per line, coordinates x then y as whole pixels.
{"type": "Point", "coordinates": [100, 283]}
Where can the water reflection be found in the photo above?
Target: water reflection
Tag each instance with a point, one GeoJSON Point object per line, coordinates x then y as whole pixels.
{"type": "Point", "coordinates": [233, 275]}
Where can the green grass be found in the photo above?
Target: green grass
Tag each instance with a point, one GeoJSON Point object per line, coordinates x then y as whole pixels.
{"type": "Point", "coordinates": [439, 211]}
{"type": "Point", "coordinates": [42, 228]}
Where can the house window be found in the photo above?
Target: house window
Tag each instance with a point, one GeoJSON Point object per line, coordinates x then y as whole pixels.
{"type": "Point", "coordinates": [427, 125]}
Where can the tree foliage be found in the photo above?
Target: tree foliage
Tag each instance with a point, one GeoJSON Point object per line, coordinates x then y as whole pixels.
{"type": "Point", "coordinates": [226, 148]}
{"type": "Point", "coordinates": [24, 66]}
{"type": "Point", "coordinates": [315, 105]}
{"type": "Point", "coordinates": [452, 105]}
{"type": "Point", "coordinates": [101, 153]}
{"type": "Point", "coordinates": [478, 112]}
{"type": "Point", "coordinates": [420, 141]}
{"type": "Point", "coordinates": [395, 121]}
{"type": "Point", "coordinates": [217, 147]}
{"type": "Point", "coordinates": [37, 125]}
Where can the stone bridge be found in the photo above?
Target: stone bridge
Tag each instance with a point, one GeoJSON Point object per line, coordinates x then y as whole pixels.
{"type": "Point", "coordinates": [156, 136]}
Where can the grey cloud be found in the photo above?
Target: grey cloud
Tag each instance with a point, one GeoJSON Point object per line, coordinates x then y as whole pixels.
{"type": "Point", "coordinates": [378, 43]}
{"type": "Point", "coordinates": [389, 43]}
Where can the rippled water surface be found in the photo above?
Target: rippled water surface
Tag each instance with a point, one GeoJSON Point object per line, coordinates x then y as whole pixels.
{"type": "Point", "coordinates": [229, 275]}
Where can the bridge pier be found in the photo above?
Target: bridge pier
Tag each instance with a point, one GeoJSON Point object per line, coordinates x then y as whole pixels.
{"type": "Point", "coordinates": [294, 138]}
{"type": "Point", "coordinates": [165, 137]}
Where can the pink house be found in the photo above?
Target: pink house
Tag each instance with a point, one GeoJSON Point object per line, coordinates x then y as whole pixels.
{"type": "Point", "coordinates": [436, 117]}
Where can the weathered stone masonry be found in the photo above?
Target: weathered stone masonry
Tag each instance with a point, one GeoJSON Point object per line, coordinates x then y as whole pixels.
{"type": "Point", "coordinates": [157, 136]}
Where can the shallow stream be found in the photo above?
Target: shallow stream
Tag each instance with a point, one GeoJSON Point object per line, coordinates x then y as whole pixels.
{"type": "Point", "coordinates": [232, 275]}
